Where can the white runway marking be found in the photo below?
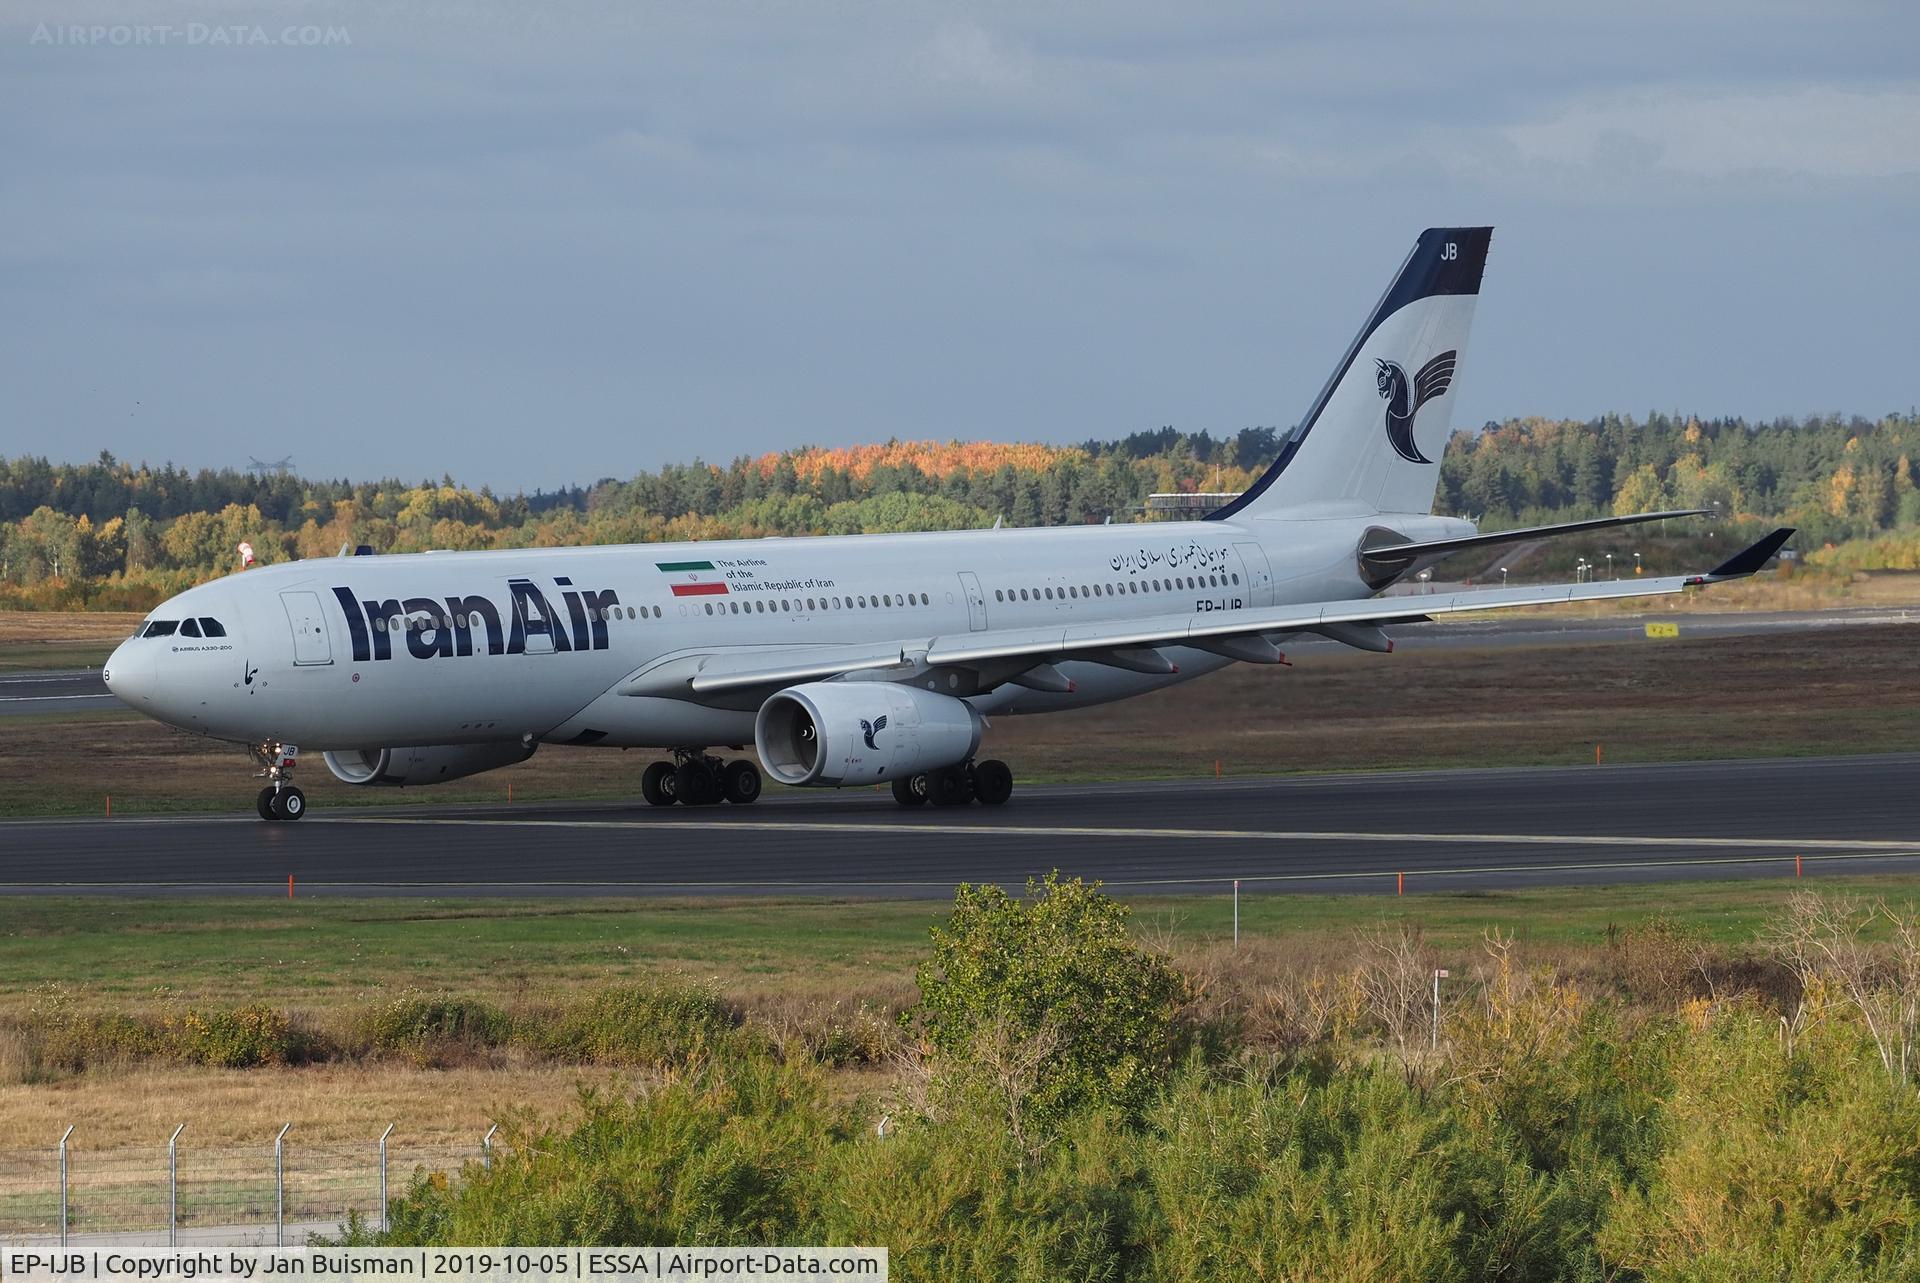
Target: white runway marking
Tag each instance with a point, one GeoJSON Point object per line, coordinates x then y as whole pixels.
{"type": "Point", "coordinates": [1232, 835]}
{"type": "Point", "coordinates": [35, 699]}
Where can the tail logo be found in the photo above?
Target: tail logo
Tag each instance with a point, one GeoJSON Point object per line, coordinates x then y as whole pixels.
{"type": "Point", "coordinates": [1404, 399]}
{"type": "Point", "coordinates": [871, 729]}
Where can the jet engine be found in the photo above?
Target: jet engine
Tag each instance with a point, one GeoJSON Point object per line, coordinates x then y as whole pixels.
{"type": "Point", "coordinates": [832, 734]}
{"type": "Point", "coordinates": [433, 764]}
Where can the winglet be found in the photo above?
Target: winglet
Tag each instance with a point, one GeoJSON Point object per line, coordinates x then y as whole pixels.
{"type": "Point", "coordinates": [1748, 560]}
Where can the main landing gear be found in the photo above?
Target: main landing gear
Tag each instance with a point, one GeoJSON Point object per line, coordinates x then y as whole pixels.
{"type": "Point", "coordinates": [989, 782]}
{"type": "Point", "coordinates": [694, 778]}
{"type": "Point", "coordinates": [279, 802]}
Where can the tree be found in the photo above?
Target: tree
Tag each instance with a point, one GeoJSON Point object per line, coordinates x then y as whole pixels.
{"type": "Point", "coordinates": [1048, 1000]}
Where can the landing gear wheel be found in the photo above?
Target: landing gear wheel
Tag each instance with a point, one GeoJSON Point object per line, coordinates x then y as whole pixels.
{"type": "Point", "coordinates": [289, 804]}
{"type": "Point", "coordinates": [694, 785]}
{"type": "Point", "coordinates": [910, 790]}
{"type": "Point", "coordinates": [992, 782]}
{"type": "Point", "coordinates": [740, 781]}
{"type": "Point", "coordinates": [950, 786]}
{"type": "Point", "coordinates": [656, 784]}
{"type": "Point", "coordinates": [264, 804]}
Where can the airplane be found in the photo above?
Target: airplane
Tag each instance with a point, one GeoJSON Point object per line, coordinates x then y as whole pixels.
{"type": "Point", "coordinates": [855, 660]}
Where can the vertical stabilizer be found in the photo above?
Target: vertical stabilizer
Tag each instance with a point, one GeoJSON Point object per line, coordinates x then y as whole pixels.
{"type": "Point", "coordinates": [1376, 431]}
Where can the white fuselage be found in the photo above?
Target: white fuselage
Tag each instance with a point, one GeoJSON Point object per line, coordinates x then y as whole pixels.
{"type": "Point", "coordinates": [536, 645]}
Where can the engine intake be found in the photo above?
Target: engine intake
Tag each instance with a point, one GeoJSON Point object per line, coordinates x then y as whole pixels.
{"type": "Point", "coordinates": [433, 764]}
{"type": "Point", "coordinates": [832, 734]}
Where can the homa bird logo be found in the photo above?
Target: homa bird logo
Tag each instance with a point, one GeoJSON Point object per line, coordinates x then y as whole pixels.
{"type": "Point", "coordinates": [871, 729]}
{"type": "Point", "coordinates": [1404, 399]}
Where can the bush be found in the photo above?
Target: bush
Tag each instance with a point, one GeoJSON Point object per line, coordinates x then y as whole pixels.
{"type": "Point", "coordinates": [645, 1026]}
{"type": "Point", "coordinates": [1048, 1001]}
{"type": "Point", "coordinates": [233, 1038]}
{"type": "Point", "coordinates": [432, 1030]}
{"type": "Point", "coordinates": [1798, 1164]}
{"type": "Point", "coordinates": [722, 1155]}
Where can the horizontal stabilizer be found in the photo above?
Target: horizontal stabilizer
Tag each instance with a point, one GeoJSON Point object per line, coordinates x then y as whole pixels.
{"type": "Point", "coordinates": [1391, 559]}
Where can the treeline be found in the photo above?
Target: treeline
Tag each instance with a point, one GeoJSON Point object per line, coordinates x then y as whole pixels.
{"type": "Point", "coordinates": [1067, 1104]}
{"type": "Point", "coordinates": [111, 533]}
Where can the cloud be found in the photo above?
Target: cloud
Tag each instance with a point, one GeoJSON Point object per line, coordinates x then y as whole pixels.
{"type": "Point", "coordinates": [1821, 132]}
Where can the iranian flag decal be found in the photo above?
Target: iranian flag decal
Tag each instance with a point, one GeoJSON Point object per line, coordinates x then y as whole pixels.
{"type": "Point", "coordinates": [693, 578]}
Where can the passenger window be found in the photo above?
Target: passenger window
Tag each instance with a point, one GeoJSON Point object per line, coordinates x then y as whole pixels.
{"type": "Point", "coordinates": [188, 628]}
{"type": "Point", "coordinates": [211, 627]}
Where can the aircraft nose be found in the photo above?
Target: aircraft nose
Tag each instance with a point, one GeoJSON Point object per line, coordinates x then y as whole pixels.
{"type": "Point", "coordinates": [129, 673]}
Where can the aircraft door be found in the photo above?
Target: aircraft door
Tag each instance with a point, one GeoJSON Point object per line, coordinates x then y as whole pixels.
{"type": "Point", "coordinates": [976, 601]}
{"type": "Point", "coordinates": [534, 618]}
{"type": "Point", "coordinates": [1259, 576]}
{"type": "Point", "coordinates": [310, 644]}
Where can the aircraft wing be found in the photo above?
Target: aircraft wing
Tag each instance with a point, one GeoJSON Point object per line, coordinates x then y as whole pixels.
{"type": "Point", "coordinates": [1122, 639]}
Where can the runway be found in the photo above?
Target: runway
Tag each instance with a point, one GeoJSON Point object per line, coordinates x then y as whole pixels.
{"type": "Point", "coordinates": [54, 691]}
{"type": "Point", "coordinates": [1441, 830]}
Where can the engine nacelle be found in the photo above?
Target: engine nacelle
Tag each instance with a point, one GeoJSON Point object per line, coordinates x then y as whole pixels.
{"type": "Point", "coordinates": [833, 734]}
{"type": "Point", "coordinates": [432, 764]}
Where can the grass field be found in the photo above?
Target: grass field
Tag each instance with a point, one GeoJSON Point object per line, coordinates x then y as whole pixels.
{"type": "Point", "coordinates": [1842, 691]}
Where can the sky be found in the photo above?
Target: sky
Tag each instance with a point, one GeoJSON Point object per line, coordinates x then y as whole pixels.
{"type": "Point", "coordinates": [535, 245]}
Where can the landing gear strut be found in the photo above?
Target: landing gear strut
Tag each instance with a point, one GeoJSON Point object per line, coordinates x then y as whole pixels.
{"type": "Point", "coordinates": [695, 778]}
{"type": "Point", "coordinates": [989, 782]}
{"type": "Point", "coordinates": [279, 802]}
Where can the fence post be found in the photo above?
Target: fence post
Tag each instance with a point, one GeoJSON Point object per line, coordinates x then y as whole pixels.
{"type": "Point", "coordinates": [383, 1177]}
{"type": "Point", "coordinates": [280, 1188]}
{"type": "Point", "coordinates": [1236, 913]}
{"type": "Point", "coordinates": [63, 1183]}
{"type": "Point", "coordinates": [173, 1185]}
{"type": "Point", "coordinates": [486, 1147]}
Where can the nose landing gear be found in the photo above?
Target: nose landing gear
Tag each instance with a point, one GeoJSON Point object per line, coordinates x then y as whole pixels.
{"type": "Point", "coordinates": [279, 802]}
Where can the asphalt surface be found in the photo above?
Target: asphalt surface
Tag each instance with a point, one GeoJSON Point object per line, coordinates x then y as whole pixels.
{"type": "Point", "coordinates": [63, 690]}
{"type": "Point", "coordinates": [1352, 833]}
{"type": "Point", "coordinates": [58, 691]}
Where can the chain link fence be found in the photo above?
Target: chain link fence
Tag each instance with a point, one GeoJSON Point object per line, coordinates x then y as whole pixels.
{"type": "Point", "coordinates": [173, 1193]}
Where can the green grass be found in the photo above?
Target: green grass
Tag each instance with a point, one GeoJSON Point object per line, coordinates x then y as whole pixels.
{"type": "Point", "coordinates": [313, 953]}
{"type": "Point", "coordinates": [33, 656]}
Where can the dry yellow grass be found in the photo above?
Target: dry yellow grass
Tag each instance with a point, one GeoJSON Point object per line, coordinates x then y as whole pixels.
{"type": "Point", "coordinates": [65, 627]}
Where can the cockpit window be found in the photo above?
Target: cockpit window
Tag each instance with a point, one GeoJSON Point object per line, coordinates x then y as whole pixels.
{"type": "Point", "coordinates": [161, 628]}
{"type": "Point", "coordinates": [189, 628]}
{"type": "Point", "coordinates": [212, 627]}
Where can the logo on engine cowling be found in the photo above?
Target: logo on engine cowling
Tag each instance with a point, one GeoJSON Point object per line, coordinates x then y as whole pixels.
{"type": "Point", "coordinates": [871, 729]}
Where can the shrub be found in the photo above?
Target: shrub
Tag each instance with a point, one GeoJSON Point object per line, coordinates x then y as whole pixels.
{"type": "Point", "coordinates": [1798, 1164]}
{"type": "Point", "coordinates": [431, 1030]}
{"type": "Point", "coordinates": [1049, 1001]}
{"type": "Point", "coordinates": [233, 1038]}
{"type": "Point", "coordinates": [721, 1155]}
{"type": "Point", "coordinates": [642, 1025]}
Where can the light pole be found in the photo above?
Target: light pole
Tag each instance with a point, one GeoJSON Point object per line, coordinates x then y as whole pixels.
{"type": "Point", "coordinates": [1503, 576]}
{"type": "Point", "coordinates": [1609, 565]}
{"type": "Point", "coordinates": [1636, 563]}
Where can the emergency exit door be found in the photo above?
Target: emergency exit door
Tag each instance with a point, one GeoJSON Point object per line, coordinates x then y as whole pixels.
{"type": "Point", "coordinates": [976, 601]}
